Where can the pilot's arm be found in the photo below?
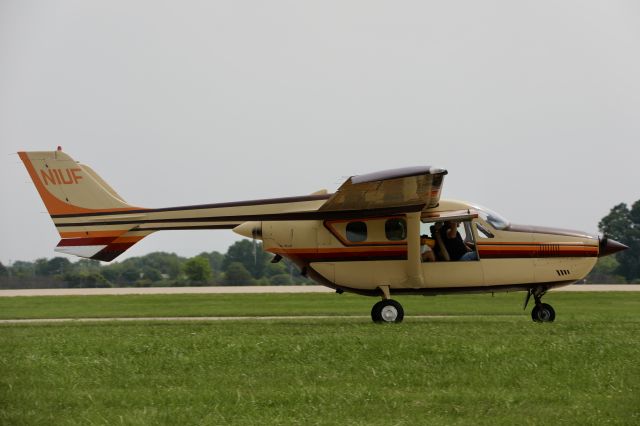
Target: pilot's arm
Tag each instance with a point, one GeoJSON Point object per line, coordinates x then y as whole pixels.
{"type": "Point", "coordinates": [426, 252]}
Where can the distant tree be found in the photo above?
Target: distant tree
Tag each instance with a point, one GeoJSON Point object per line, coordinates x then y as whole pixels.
{"type": "Point", "coordinates": [21, 269]}
{"type": "Point", "coordinates": [112, 272]}
{"type": "Point", "coordinates": [151, 274]}
{"type": "Point", "coordinates": [130, 274]}
{"type": "Point", "coordinates": [617, 223]}
{"type": "Point", "coordinates": [198, 270]}
{"type": "Point", "coordinates": [279, 268]}
{"type": "Point", "coordinates": [216, 260]}
{"type": "Point", "coordinates": [623, 225]}
{"type": "Point", "coordinates": [3, 270]}
{"type": "Point", "coordinates": [55, 266]}
{"type": "Point", "coordinates": [281, 279]}
{"type": "Point", "coordinates": [605, 272]}
{"type": "Point", "coordinates": [86, 266]}
{"type": "Point", "coordinates": [85, 280]}
{"type": "Point", "coordinates": [169, 264]}
{"type": "Point", "coordinates": [237, 274]}
{"type": "Point", "coordinates": [250, 255]}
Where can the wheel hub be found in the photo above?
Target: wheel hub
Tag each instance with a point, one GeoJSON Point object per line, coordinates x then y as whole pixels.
{"type": "Point", "coordinates": [389, 313]}
{"type": "Point", "coordinates": [544, 314]}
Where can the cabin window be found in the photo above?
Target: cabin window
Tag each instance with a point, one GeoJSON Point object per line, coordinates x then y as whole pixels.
{"type": "Point", "coordinates": [483, 232]}
{"type": "Point", "coordinates": [395, 229]}
{"type": "Point", "coordinates": [356, 232]}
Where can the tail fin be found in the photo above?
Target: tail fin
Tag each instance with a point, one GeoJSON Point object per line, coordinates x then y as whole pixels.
{"type": "Point", "coordinates": [73, 195]}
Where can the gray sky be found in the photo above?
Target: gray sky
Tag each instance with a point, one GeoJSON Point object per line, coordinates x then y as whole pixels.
{"type": "Point", "coordinates": [533, 107]}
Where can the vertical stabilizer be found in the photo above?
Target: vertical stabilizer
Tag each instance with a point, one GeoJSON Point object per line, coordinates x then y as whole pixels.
{"type": "Point", "coordinates": [74, 196]}
{"type": "Point", "coordinates": [67, 187]}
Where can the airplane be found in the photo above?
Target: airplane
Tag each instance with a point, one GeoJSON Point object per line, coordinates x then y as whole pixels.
{"type": "Point", "coordinates": [380, 234]}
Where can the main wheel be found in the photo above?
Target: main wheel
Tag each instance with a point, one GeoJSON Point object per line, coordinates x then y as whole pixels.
{"type": "Point", "coordinates": [387, 311]}
{"type": "Point", "coordinates": [543, 313]}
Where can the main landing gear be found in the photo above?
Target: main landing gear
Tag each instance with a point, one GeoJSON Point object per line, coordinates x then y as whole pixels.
{"type": "Point", "coordinates": [541, 312]}
{"type": "Point", "coordinates": [387, 310]}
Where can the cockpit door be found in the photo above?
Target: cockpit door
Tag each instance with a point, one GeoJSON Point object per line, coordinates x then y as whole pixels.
{"type": "Point", "coordinates": [451, 273]}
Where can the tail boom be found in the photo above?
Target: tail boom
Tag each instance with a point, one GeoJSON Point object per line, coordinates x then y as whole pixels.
{"type": "Point", "coordinates": [96, 223]}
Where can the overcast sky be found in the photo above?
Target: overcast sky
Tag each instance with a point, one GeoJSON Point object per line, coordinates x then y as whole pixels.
{"type": "Point", "coordinates": [533, 107]}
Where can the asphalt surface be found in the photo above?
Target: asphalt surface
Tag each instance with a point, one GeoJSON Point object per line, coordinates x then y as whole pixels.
{"type": "Point", "coordinates": [240, 318]}
{"type": "Point", "coordinates": [245, 290]}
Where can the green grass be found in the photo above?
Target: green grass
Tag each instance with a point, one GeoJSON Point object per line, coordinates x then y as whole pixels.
{"type": "Point", "coordinates": [495, 369]}
{"type": "Point", "coordinates": [568, 305]}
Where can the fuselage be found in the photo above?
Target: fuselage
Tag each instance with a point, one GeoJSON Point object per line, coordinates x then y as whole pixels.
{"type": "Point", "coordinates": [365, 254]}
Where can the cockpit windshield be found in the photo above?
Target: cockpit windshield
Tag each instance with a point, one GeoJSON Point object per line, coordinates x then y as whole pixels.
{"type": "Point", "coordinates": [491, 217]}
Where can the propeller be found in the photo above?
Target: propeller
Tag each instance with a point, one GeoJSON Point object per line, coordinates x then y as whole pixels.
{"type": "Point", "coordinates": [609, 246]}
{"type": "Point", "coordinates": [256, 232]}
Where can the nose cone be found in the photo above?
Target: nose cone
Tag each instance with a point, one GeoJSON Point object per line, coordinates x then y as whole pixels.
{"type": "Point", "coordinates": [249, 230]}
{"type": "Point", "coordinates": [609, 246]}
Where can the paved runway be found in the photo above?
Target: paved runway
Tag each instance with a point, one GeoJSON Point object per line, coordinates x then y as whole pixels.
{"type": "Point", "coordinates": [242, 318]}
{"type": "Point", "coordinates": [244, 289]}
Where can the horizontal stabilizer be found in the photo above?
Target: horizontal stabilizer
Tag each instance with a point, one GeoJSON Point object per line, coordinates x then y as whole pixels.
{"type": "Point", "coordinates": [105, 248]}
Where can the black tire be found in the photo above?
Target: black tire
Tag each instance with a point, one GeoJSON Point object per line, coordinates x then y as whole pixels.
{"type": "Point", "coordinates": [543, 313]}
{"type": "Point", "coordinates": [376, 312]}
{"type": "Point", "coordinates": [387, 311]}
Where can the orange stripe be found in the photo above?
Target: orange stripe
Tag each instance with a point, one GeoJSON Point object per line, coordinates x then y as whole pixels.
{"type": "Point", "coordinates": [521, 247]}
{"type": "Point", "coordinates": [536, 244]}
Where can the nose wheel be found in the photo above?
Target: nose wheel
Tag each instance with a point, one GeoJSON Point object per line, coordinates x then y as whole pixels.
{"type": "Point", "coordinates": [541, 312]}
{"type": "Point", "coordinates": [387, 310]}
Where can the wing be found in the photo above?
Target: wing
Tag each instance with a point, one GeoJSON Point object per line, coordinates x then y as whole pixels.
{"type": "Point", "coordinates": [414, 188]}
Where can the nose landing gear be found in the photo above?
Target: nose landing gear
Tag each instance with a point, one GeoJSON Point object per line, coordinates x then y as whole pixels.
{"type": "Point", "coordinates": [541, 312]}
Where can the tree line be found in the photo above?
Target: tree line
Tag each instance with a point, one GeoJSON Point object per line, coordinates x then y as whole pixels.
{"type": "Point", "coordinates": [623, 225]}
{"type": "Point", "coordinates": [244, 263]}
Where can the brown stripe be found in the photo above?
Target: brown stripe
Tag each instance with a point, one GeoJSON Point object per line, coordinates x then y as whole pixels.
{"type": "Point", "coordinates": [186, 227]}
{"type": "Point", "coordinates": [208, 206]}
{"type": "Point", "coordinates": [308, 215]}
{"type": "Point", "coordinates": [360, 254]}
{"type": "Point", "coordinates": [87, 234]}
{"type": "Point", "coordinates": [95, 241]}
{"type": "Point", "coordinates": [111, 251]}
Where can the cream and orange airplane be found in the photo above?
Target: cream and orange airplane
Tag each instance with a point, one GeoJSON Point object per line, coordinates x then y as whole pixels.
{"type": "Point", "coordinates": [379, 234]}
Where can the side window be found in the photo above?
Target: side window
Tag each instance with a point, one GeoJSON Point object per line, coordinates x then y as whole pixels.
{"type": "Point", "coordinates": [395, 229]}
{"type": "Point", "coordinates": [356, 232]}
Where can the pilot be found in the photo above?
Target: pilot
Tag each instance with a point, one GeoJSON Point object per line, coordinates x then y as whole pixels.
{"type": "Point", "coordinates": [454, 244]}
{"type": "Point", "coordinates": [426, 250]}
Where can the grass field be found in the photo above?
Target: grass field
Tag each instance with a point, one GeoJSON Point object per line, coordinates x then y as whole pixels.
{"type": "Point", "coordinates": [489, 365]}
